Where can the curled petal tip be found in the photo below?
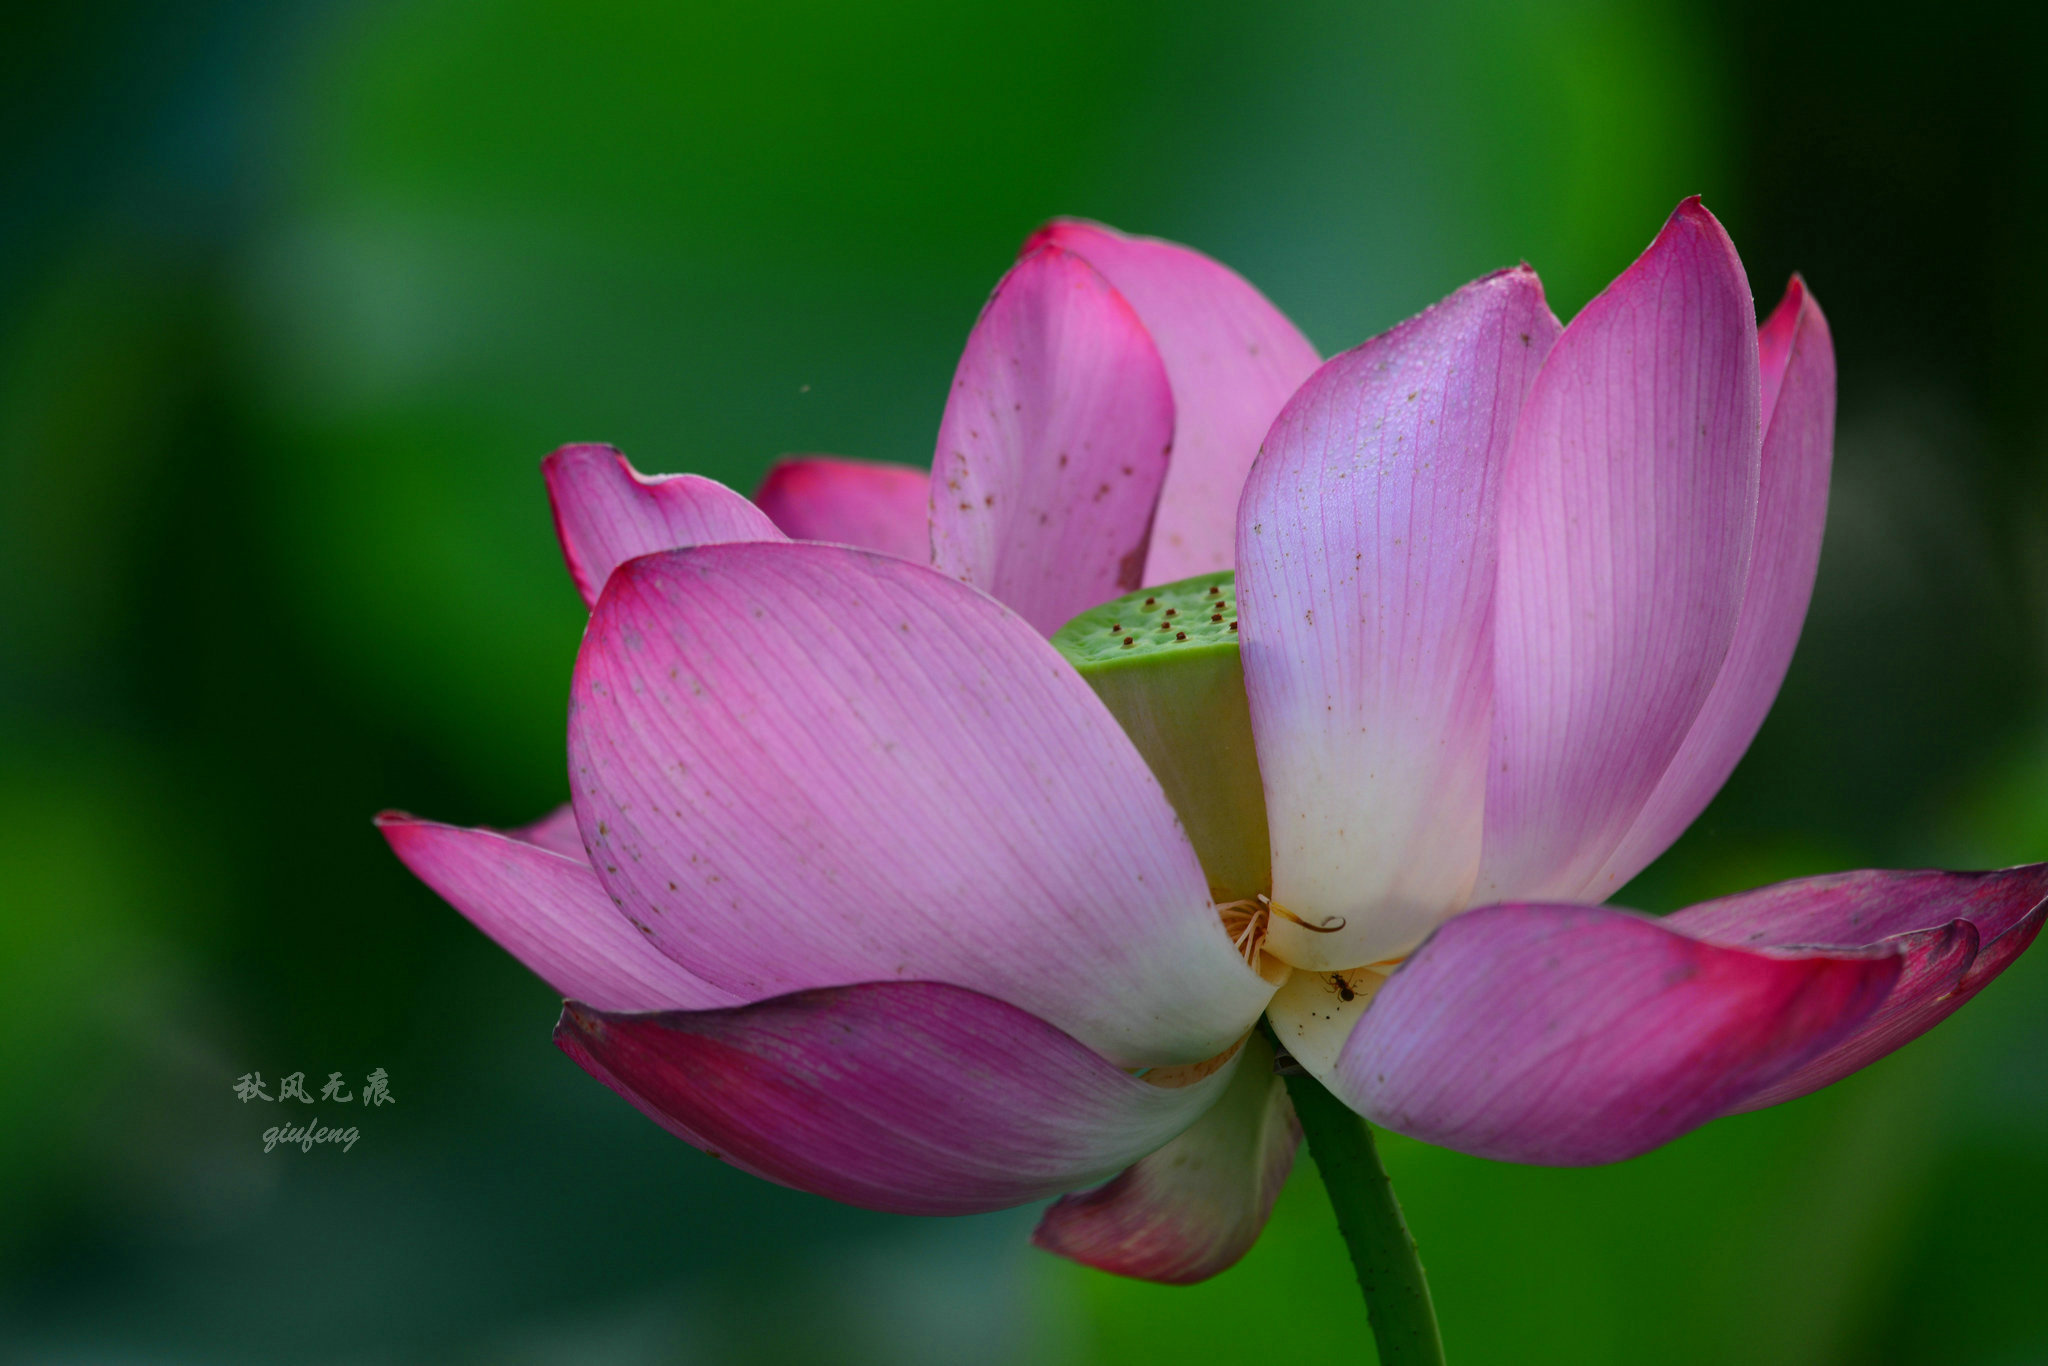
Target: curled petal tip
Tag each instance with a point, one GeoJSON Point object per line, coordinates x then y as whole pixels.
{"type": "Point", "coordinates": [1047, 234]}
{"type": "Point", "coordinates": [578, 450]}
{"type": "Point", "coordinates": [1952, 933]}
{"type": "Point", "coordinates": [607, 512]}
{"type": "Point", "coordinates": [579, 1019]}
{"type": "Point", "coordinates": [1062, 232]}
{"type": "Point", "coordinates": [1039, 245]}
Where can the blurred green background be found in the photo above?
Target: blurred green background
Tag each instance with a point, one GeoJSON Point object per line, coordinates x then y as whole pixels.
{"type": "Point", "coordinates": [295, 295]}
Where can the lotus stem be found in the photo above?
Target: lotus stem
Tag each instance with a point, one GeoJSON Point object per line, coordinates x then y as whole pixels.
{"type": "Point", "coordinates": [1382, 1250]}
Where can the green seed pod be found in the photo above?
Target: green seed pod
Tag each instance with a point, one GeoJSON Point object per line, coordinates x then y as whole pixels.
{"type": "Point", "coordinates": [1165, 662]}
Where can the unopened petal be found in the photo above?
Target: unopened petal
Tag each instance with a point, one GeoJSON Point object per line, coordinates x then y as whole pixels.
{"type": "Point", "coordinates": [549, 912]}
{"type": "Point", "coordinates": [805, 765]}
{"type": "Point", "coordinates": [1053, 446]}
{"type": "Point", "coordinates": [911, 1097]}
{"type": "Point", "coordinates": [1233, 360]}
{"type": "Point", "coordinates": [1193, 1208]}
{"type": "Point", "coordinates": [606, 513]}
{"type": "Point", "coordinates": [1574, 1035]}
{"type": "Point", "coordinates": [1790, 330]}
{"type": "Point", "coordinates": [1365, 596]}
{"type": "Point", "coordinates": [1627, 514]}
{"type": "Point", "coordinates": [1799, 439]}
{"type": "Point", "coordinates": [866, 503]}
{"type": "Point", "coordinates": [1955, 931]}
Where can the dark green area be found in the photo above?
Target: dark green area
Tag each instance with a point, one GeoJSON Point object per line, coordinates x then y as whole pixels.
{"type": "Point", "coordinates": [293, 299]}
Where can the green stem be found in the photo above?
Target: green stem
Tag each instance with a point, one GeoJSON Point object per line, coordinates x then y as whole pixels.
{"type": "Point", "coordinates": [1369, 1217]}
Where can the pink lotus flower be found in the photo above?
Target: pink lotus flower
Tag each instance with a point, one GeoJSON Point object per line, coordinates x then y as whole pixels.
{"type": "Point", "coordinates": [864, 889]}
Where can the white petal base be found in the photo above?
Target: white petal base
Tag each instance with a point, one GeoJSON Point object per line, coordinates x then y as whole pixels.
{"type": "Point", "coordinates": [1313, 1013]}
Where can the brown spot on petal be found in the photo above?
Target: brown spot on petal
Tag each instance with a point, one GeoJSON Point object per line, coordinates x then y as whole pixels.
{"type": "Point", "coordinates": [1188, 1073]}
{"type": "Point", "coordinates": [1130, 570]}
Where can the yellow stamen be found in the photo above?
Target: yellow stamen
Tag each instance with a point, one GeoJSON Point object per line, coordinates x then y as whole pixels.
{"type": "Point", "coordinates": [1248, 920]}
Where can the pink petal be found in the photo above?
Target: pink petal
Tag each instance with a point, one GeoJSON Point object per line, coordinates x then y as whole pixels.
{"type": "Point", "coordinates": [851, 502]}
{"type": "Point", "coordinates": [805, 765]}
{"type": "Point", "coordinates": [1196, 1206]}
{"type": "Point", "coordinates": [1233, 359]}
{"type": "Point", "coordinates": [912, 1097]}
{"type": "Point", "coordinates": [606, 513]}
{"type": "Point", "coordinates": [1053, 445]}
{"type": "Point", "coordinates": [547, 911]}
{"type": "Point", "coordinates": [1627, 513]}
{"type": "Point", "coordinates": [1796, 323]}
{"type": "Point", "coordinates": [1799, 438]}
{"type": "Point", "coordinates": [1573, 1035]}
{"type": "Point", "coordinates": [1365, 594]}
{"type": "Point", "coordinates": [1956, 931]}
{"type": "Point", "coordinates": [555, 832]}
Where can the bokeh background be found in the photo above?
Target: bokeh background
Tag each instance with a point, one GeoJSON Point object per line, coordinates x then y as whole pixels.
{"type": "Point", "coordinates": [294, 296]}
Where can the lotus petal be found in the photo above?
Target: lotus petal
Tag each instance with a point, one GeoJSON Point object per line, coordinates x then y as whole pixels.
{"type": "Point", "coordinates": [1196, 1206]}
{"type": "Point", "coordinates": [1627, 513]}
{"type": "Point", "coordinates": [1053, 446]}
{"type": "Point", "coordinates": [1573, 1035]}
{"type": "Point", "coordinates": [912, 1097]}
{"type": "Point", "coordinates": [1365, 597]}
{"type": "Point", "coordinates": [851, 502]}
{"type": "Point", "coordinates": [1233, 360]}
{"type": "Point", "coordinates": [549, 912]}
{"type": "Point", "coordinates": [1956, 931]}
{"type": "Point", "coordinates": [1799, 439]}
{"type": "Point", "coordinates": [805, 765]}
{"type": "Point", "coordinates": [555, 832]}
{"type": "Point", "coordinates": [606, 513]}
